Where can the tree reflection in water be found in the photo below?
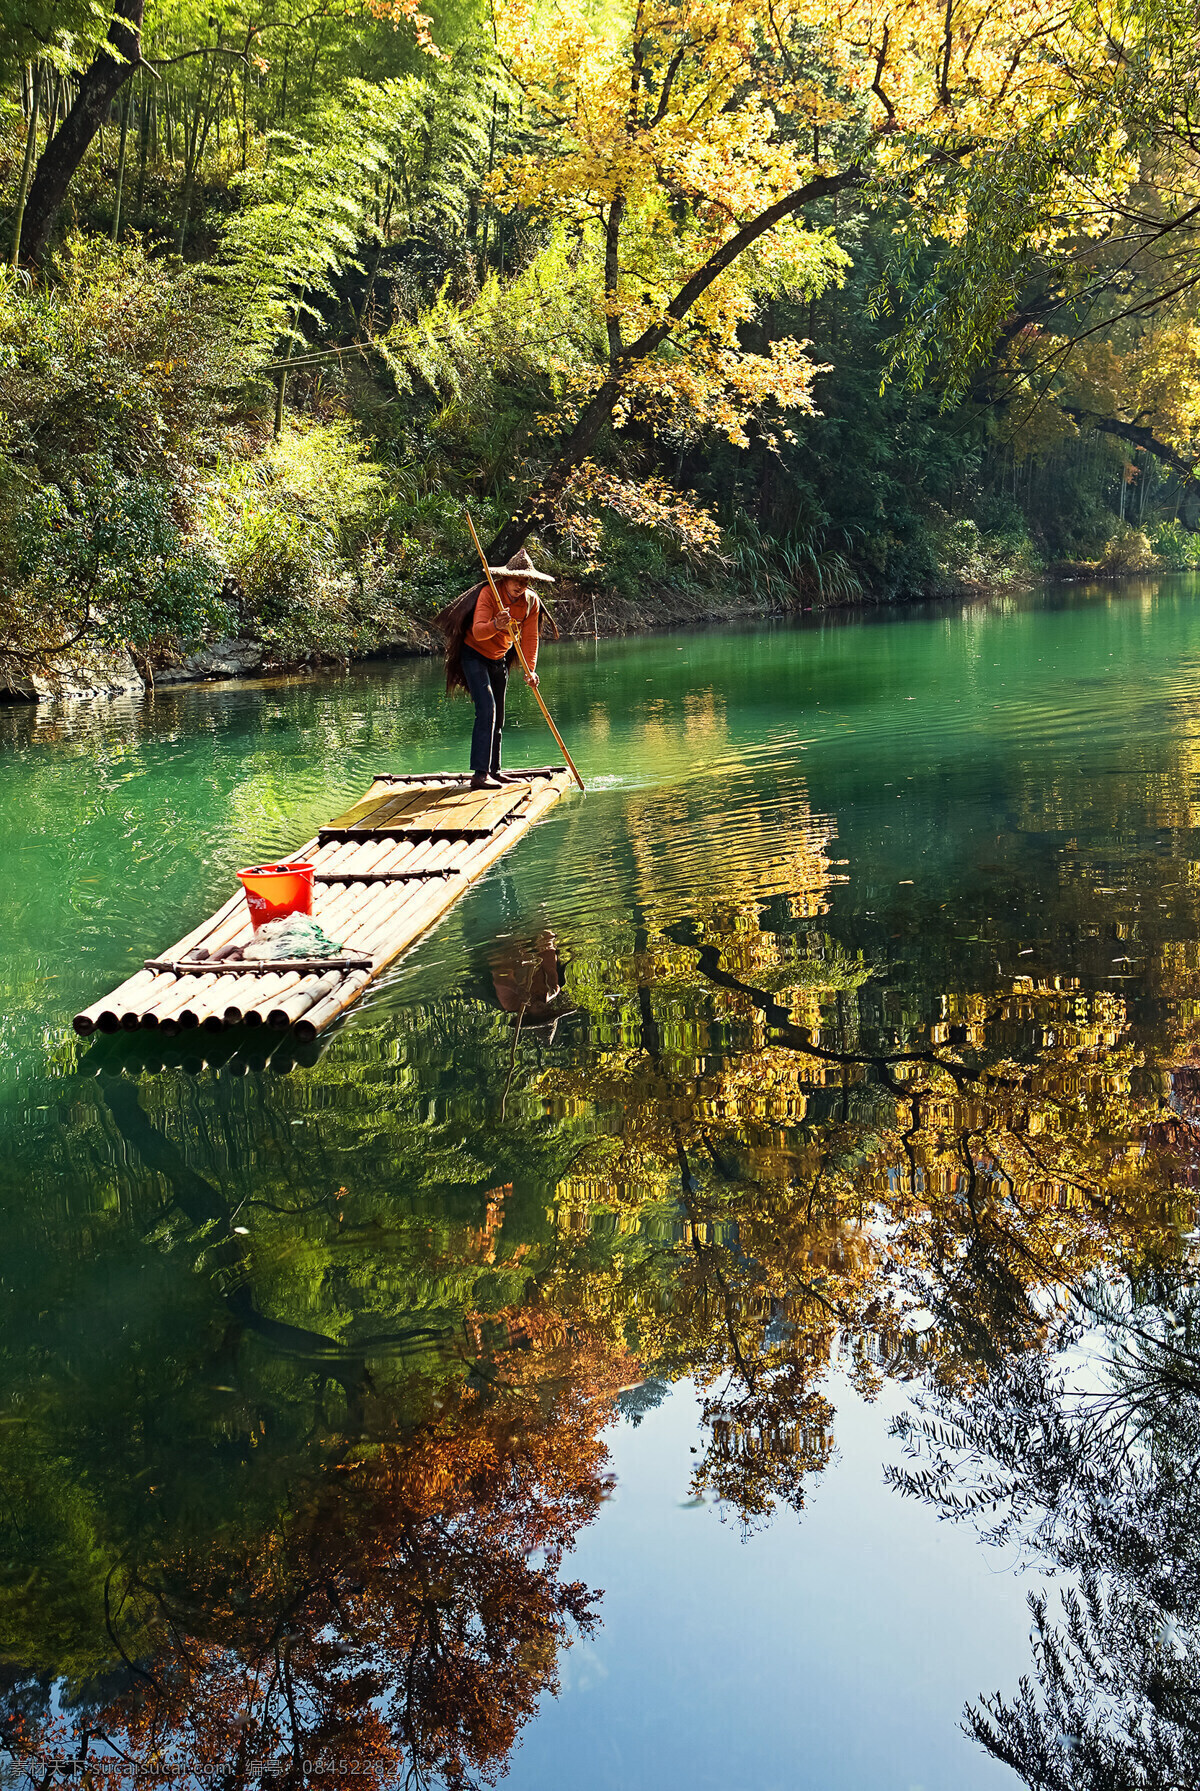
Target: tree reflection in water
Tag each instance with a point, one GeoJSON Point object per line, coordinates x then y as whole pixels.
{"type": "Point", "coordinates": [396, 1618]}
{"type": "Point", "coordinates": [1101, 1485]}
{"type": "Point", "coordinates": [298, 1435]}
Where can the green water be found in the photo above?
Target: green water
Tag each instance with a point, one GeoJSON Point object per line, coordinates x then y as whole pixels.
{"type": "Point", "coordinates": [543, 1324]}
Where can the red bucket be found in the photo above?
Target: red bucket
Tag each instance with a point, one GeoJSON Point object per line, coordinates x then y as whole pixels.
{"type": "Point", "coordinates": [276, 890]}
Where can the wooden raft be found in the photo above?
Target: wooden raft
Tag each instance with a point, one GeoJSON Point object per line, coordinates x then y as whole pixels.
{"type": "Point", "coordinates": [385, 871]}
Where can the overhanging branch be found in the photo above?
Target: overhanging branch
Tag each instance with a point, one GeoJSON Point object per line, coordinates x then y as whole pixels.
{"type": "Point", "coordinates": [1138, 437]}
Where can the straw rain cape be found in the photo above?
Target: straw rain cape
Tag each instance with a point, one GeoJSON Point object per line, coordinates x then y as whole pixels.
{"type": "Point", "coordinates": [455, 619]}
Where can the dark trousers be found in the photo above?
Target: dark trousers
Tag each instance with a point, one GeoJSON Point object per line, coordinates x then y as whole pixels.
{"type": "Point", "coordinates": [487, 680]}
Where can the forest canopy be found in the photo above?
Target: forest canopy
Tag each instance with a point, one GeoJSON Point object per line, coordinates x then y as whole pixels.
{"type": "Point", "coordinates": [781, 303]}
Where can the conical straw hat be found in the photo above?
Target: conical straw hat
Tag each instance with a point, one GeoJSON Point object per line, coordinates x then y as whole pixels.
{"type": "Point", "coordinates": [521, 566]}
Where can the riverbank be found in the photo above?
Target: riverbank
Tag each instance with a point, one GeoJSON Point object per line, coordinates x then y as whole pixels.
{"type": "Point", "coordinates": [575, 611]}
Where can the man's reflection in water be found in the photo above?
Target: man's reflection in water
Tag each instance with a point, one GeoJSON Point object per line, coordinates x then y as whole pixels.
{"type": "Point", "coordinates": [527, 977]}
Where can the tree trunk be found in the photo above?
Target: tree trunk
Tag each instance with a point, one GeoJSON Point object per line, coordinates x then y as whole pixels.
{"type": "Point", "coordinates": [281, 385]}
{"type": "Point", "coordinates": [114, 62]}
{"type": "Point", "coordinates": [1188, 471]}
{"type": "Point", "coordinates": [540, 504]}
{"type": "Point", "coordinates": [193, 147]}
{"type": "Point", "coordinates": [483, 250]}
{"type": "Point", "coordinates": [56, 86]}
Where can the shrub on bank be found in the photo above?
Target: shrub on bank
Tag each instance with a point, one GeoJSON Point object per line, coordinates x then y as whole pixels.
{"type": "Point", "coordinates": [102, 555]}
{"type": "Point", "coordinates": [969, 555]}
{"type": "Point", "coordinates": [296, 527]}
{"type": "Point", "coordinates": [140, 486]}
{"type": "Point", "coordinates": [115, 354]}
{"type": "Point", "coordinates": [940, 555]}
{"type": "Point", "coordinates": [1127, 550]}
{"type": "Point", "coordinates": [107, 376]}
{"type": "Point", "coordinates": [1176, 546]}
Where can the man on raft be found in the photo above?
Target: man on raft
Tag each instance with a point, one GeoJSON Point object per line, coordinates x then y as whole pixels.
{"type": "Point", "coordinates": [479, 650]}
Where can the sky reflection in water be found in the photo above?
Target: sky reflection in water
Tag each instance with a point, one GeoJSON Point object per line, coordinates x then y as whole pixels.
{"type": "Point", "coordinates": [876, 944]}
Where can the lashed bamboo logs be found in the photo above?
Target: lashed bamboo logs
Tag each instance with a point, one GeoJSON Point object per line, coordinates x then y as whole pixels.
{"type": "Point", "coordinates": [404, 927]}
{"type": "Point", "coordinates": [376, 896]}
{"type": "Point", "coordinates": [107, 1014]}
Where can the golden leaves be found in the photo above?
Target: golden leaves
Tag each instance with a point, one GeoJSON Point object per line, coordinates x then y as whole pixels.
{"type": "Point", "coordinates": [656, 140]}
{"type": "Point", "coordinates": [647, 503]}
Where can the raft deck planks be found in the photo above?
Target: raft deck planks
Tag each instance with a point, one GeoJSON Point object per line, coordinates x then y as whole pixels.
{"type": "Point", "coordinates": [386, 869]}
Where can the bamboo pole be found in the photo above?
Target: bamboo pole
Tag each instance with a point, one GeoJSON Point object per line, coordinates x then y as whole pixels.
{"type": "Point", "coordinates": [401, 909]}
{"type": "Point", "coordinates": [393, 902]}
{"type": "Point", "coordinates": [385, 936]}
{"type": "Point", "coordinates": [306, 994]}
{"type": "Point", "coordinates": [266, 992]}
{"type": "Point", "coordinates": [125, 103]}
{"type": "Point", "coordinates": [350, 901]}
{"type": "Point", "coordinates": [104, 1015]}
{"type": "Point", "coordinates": [156, 999]}
{"type": "Point", "coordinates": [145, 127]}
{"type": "Point", "coordinates": [186, 989]}
{"type": "Point", "coordinates": [325, 1012]}
{"type": "Point", "coordinates": [210, 1010]}
{"type": "Point", "coordinates": [338, 899]}
{"type": "Point", "coordinates": [360, 901]}
{"type": "Point", "coordinates": [372, 909]}
{"type": "Point", "coordinates": [27, 165]}
{"type": "Point", "coordinates": [242, 994]}
{"type": "Point", "coordinates": [515, 638]}
{"type": "Point", "coordinates": [240, 998]}
{"type": "Point", "coordinates": [166, 997]}
{"type": "Point", "coordinates": [197, 1004]}
{"type": "Point", "coordinates": [233, 1011]}
{"type": "Point", "coordinates": [160, 1000]}
{"type": "Point", "coordinates": [247, 999]}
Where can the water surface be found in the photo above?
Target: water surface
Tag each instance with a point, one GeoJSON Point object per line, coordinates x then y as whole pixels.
{"type": "Point", "coordinates": [556, 1322]}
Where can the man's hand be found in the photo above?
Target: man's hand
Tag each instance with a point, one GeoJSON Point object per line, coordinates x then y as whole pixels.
{"type": "Point", "coordinates": [531, 679]}
{"type": "Point", "coordinates": [503, 621]}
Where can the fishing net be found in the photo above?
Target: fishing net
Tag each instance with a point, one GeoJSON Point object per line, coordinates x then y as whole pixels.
{"type": "Point", "coordinates": [295, 936]}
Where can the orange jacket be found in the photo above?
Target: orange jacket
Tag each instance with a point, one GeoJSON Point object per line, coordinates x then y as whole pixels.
{"type": "Point", "coordinates": [490, 637]}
